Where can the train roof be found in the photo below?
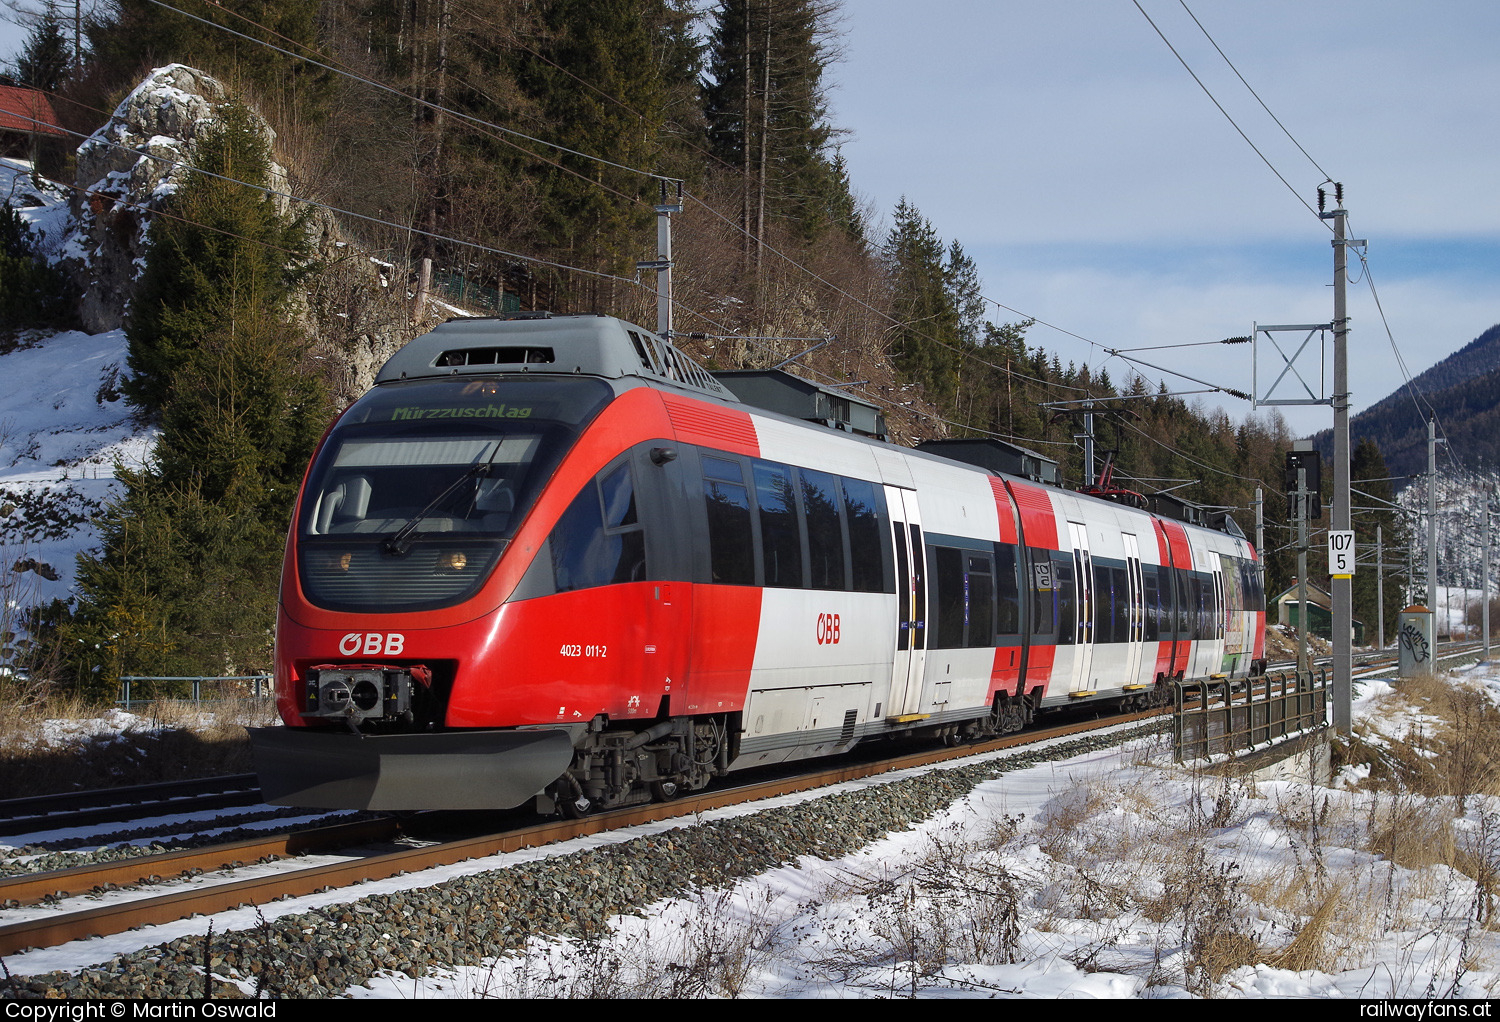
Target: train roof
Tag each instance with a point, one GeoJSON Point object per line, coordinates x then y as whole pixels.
{"type": "Point", "coordinates": [597, 345]}
{"type": "Point", "coordinates": [544, 343]}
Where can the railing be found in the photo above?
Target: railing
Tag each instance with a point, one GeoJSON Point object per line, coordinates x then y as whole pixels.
{"type": "Point", "coordinates": [459, 289]}
{"type": "Point", "coordinates": [1231, 717]}
{"type": "Point", "coordinates": [259, 688]}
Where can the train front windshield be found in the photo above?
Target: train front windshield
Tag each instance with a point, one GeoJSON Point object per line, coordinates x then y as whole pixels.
{"type": "Point", "coordinates": [418, 489]}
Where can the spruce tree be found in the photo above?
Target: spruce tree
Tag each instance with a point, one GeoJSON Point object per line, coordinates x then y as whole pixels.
{"type": "Point", "coordinates": [185, 582]}
{"type": "Point", "coordinates": [767, 113]}
{"type": "Point", "coordinates": [45, 58]}
{"type": "Point", "coordinates": [32, 291]}
{"type": "Point", "coordinates": [597, 88]}
{"type": "Point", "coordinates": [215, 230]}
{"type": "Point", "coordinates": [679, 56]}
{"type": "Point", "coordinates": [261, 50]}
{"type": "Point", "coordinates": [924, 342]}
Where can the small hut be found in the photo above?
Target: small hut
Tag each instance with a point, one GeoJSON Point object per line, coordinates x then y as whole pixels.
{"type": "Point", "coordinates": [27, 120]}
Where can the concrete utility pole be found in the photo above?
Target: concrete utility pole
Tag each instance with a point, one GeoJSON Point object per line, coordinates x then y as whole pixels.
{"type": "Point", "coordinates": [1432, 443]}
{"type": "Point", "coordinates": [1380, 583]}
{"type": "Point", "coordinates": [1343, 585]}
{"type": "Point", "coordinates": [1484, 598]}
{"type": "Point", "coordinates": [662, 264]}
{"type": "Point", "coordinates": [1304, 662]}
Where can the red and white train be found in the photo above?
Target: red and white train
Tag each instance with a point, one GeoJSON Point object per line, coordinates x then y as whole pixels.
{"type": "Point", "coordinates": [551, 557]}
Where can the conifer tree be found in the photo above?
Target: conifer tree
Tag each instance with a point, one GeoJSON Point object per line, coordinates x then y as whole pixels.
{"type": "Point", "coordinates": [44, 60]}
{"type": "Point", "coordinates": [599, 90]}
{"type": "Point", "coordinates": [963, 285]}
{"type": "Point", "coordinates": [261, 51]}
{"type": "Point", "coordinates": [679, 56]}
{"type": "Point", "coordinates": [32, 291]}
{"type": "Point", "coordinates": [767, 113]}
{"type": "Point", "coordinates": [185, 581]}
{"type": "Point", "coordinates": [214, 231]}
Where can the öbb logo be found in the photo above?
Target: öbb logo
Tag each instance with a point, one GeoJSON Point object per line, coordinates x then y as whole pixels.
{"type": "Point", "coordinates": [828, 629]}
{"type": "Point", "coordinates": [372, 643]}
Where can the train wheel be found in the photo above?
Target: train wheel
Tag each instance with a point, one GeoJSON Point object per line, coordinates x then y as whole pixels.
{"type": "Point", "coordinates": [665, 791]}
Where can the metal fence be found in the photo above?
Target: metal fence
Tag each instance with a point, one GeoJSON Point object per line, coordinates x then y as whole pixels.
{"type": "Point", "coordinates": [249, 686]}
{"type": "Point", "coordinates": [1224, 717]}
{"type": "Point", "coordinates": [460, 290]}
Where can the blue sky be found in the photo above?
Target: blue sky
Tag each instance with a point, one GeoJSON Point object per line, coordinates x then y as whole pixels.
{"type": "Point", "coordinates": [1101, 191]}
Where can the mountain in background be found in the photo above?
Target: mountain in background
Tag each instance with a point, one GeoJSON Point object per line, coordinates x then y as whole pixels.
{"type": "Point", "coordinates": [1463, 391]}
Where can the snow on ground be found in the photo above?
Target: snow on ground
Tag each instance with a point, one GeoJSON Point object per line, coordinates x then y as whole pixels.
{"type": "Point", "coordinates": [1111, 874]}
{"type": "Point", "coordinates": [63, 429]}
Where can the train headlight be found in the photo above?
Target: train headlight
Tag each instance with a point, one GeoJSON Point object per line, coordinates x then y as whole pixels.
{"type": "Point", "coordinates": [452, 560]}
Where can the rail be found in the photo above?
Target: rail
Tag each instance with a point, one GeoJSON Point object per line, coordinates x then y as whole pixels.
{"type": "Point", "coordinates": [1238, 716]}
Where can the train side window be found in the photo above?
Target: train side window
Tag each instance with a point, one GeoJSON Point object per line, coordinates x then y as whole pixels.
{"type": "Point", "coordinates": [949, 598]}
{"type": "Point", "coordinates": [1182, 620]}
{"type": "Point", "coordinates": [980, 584]}
{"type": "Point", "coordinates": [1152, 599]}
{"type": "Point", "coordinates": [588, 552]}
{"type": "Point", "coordinates": [864, 504]}
{"type": "Point", "coordinates": [825, 531]}
{"type": "Point", "coordinates": [731, 542]}
{"type": "Point", "coordinates": [919, 588]}
{"type": "Point", "coordinates": [618, 490]}
{"type": "Point", "coordinates": [781, 539]}
{"type": "Point", "coordinates": [1067, 611]}
{"type": "Point", "coordinates": [1007, 592]}
{"type": "Point", "coordinates": [904, 593]}
{"type": "Point", "coordinates": [1122, 609]}
{"type": "Point", "coordinates": [1043, 595]}
{"type": "Point", "coordinates": [1104, 604]}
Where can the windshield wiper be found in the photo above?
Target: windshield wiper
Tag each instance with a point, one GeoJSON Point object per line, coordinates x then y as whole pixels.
{"type": "Point", "coordinates": [396, 544]}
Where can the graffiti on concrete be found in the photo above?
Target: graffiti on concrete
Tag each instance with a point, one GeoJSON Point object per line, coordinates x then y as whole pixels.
{"type": "Point", "coordinates": [1413, 639]}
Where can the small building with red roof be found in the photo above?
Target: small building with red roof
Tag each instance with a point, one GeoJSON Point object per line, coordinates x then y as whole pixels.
{"type": "Point", "coordinates": [26, 119]}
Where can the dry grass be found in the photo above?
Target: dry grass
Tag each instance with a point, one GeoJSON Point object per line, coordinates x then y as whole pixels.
{"type": "Point", "coordinates": [51, 744]}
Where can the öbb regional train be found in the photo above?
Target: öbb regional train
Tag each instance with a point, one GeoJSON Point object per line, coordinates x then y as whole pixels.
{"type": "Point", "coordinates": [551, 557]}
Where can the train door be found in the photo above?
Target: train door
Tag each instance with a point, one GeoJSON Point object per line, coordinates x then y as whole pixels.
{"type": "Point", "coordinates": [911, 603]}
{"type": "Point", "coordinates": [1083, 604]}
{"type": "Point", "coordinates": [1216, 636]}
{"type": "Point", "coordinates": [1137, 609]}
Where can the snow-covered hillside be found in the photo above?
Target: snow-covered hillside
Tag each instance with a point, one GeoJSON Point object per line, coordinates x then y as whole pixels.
{"type": "Point", "coordinates": [63, 427]}
{"type": "Point", "coordinates": [1462, 497]}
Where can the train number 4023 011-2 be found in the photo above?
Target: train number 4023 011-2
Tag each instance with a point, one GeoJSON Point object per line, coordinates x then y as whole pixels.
{"type": "Point", "coordinates": [574, 649]}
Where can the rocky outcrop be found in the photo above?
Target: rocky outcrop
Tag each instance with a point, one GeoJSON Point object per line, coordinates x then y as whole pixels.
{"type": "Point", "coordinates": [126, 171]}
{"type": "Point", "coordinates": [357, 309]}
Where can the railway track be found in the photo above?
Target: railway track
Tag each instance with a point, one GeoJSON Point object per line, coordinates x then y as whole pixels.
{"type": "Point", "coordinates": [1380, 660]}
{"type": "Point", "coordinates": [351, 853]}
{"type": "Point", "coordinates": [119, 805]}
{"type": "Point", "coordinates": [145, 906]}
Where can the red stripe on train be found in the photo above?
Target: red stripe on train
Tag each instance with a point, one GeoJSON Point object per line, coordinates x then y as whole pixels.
{"type": "Point", "coordinates": [1006, 511]}
{"type": "Point", "coordinates": [1038, 521]}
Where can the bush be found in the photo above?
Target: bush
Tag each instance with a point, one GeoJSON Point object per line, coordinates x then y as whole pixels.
{"type": "Point", "coordinates": [32, 292]}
